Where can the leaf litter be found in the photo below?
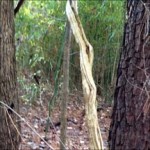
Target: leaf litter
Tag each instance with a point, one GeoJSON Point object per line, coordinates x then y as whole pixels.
{"type": "Point", "coordinates": [77, 135]}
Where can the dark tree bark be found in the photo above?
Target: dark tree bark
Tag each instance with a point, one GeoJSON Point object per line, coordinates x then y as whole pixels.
{"type": "Point", "coordinates": [130, 126]}
{"type": "Point", "coordinates": [9, 125]}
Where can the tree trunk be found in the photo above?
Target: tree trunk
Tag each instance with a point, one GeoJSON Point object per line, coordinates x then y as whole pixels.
{"type": "Point", "coordinates": [9, 125]}
{"type": "Point", "coordinates": [88, 84]}
{"type": "Point", "coordinates": [130, 126]}
{"type": "Point", "coordinates": [66, 62]}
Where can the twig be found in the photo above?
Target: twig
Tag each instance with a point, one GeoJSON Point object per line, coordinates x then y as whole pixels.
{"type": "Point", "coordinates": [22, 119]}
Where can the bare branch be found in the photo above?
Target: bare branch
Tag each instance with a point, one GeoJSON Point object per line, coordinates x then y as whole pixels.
{"type": "Point", "coordinates": [20, 3]}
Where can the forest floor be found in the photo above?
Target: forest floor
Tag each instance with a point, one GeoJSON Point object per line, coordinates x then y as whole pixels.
{"type": "Point", "coordinates": [34, 126]}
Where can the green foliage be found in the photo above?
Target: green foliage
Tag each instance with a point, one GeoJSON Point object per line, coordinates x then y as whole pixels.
{"type": "Point", "coordinates": [40, 27]}
{"type": "Point", "coordinates": [103, 24]}
{"type": "Point", "coordinates": [30, 90]}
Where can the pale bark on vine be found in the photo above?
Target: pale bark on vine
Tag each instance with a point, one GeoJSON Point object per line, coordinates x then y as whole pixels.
{"type": "Point", "coordinates": [88, 84]}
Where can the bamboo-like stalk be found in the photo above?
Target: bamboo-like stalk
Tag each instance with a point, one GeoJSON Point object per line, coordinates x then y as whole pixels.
{"type": "Point", "coordinates": [66, 63]}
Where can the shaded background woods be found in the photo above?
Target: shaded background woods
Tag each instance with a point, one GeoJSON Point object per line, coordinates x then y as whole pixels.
{"type": "Point", "coordinates": [39, 40]}
{"type": "Point", "coordinates": [46, 53]}
{"type": "Point", "coordinates": [40, 45]}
